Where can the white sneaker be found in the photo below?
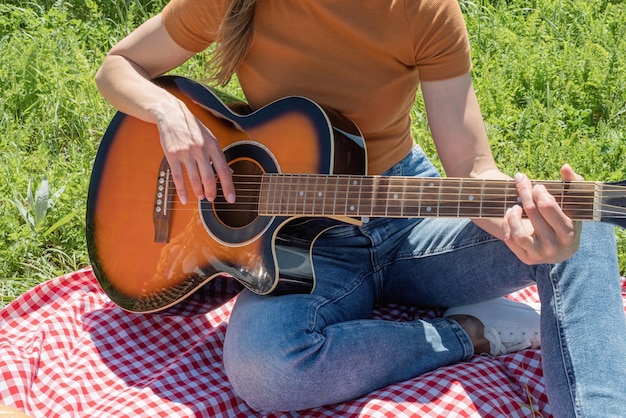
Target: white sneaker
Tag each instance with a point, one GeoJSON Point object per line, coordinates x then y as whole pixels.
{"type": "Point", "coordinates": [509, 326]}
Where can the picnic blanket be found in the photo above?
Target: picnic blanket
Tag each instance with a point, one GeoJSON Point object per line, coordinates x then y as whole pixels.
{"type": "Point", "coordinates": [67, 351]}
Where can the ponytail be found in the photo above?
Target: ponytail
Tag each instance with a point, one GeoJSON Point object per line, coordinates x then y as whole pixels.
{"type": "Point", "coordinates": [234, 40]}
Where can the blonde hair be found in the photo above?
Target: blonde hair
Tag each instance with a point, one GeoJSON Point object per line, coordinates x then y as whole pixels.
{"type": "Point", "coordinates": [234, 40]}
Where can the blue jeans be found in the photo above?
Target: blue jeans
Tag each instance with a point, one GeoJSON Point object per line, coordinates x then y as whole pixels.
{"type": "Point", "coordinates": [300, 351]}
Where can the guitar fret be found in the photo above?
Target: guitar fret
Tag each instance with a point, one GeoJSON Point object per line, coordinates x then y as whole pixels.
{"type": "Point", "coordinates": [377, 207]}
{"type": "Point", "coordinates": [306, 195]}
{"type": "Point", "coordinates": [347, 206]}
{"type": "Point", "coordinates": [403, 196]}
{"type": "Point", "coordinates": [420, 199]}
{"type": "Point", "coordinates": [281, 202]}
{"type": "Point", "coordinates": [395, 197]}
{"type": "Point", "coordinates": [279, 193]}
{"type": "Point", "coordinates": [358, 206]}
{"type": "Point", "coordinates": [380, 200]}
{"type": "Point", "coordinates": [482, 198]}
{"type": "Point", "coordinates": [286, 199]}
{"type": "Point", "coordinates": [460, 198]}
{"type": "Point", "coordinates": [342, 197]}
{"type": "Point", "coordinates": [333, 211]}
{"type": "Point", "coordinates": [344, 194]}
{"type": "Point", "coordinates": [492, 200]}
{"type": "Point", "coordinates": [263, 195]}
{"type": "Point", "coordinates": [511, 190]}
{"type": "Point", "coordinates": [274, 191]}
{"type": "Point", "coordinates": [466, 205]}
{"type": "Point", "coordinates": [430, 202]}
{"type": "Point", "coordinates": [506, 198]}
{"type": "Point", "coordinates": [438, 203]}
{"type": "Point", "coordinates": [577, 198]}
{"type": "Point", "coordinates": [370, 196]}
{"type": "Point", "coordinates": [446, 197]}
{"type": "Point", "coordinates": [293, 194]}
{"type": "Point", "coordinates": [325, 194]}
{"type": "Point", "coordinates": [265, 192]}
{"type": "Point", "coordinates": [317, 193]}
{"type": "Point", "coordinates": [470, 198]}
{"type": "Point", "coordinates": [385, 184]}
{"type": "Point", "coordinates": [434, 201]}
{"type": "Point", "coordinates": [296, 193]}
{"type": "Point", "coordinates": [312, 193]}
{"type": "Point", "coordinates": [321, 194]}
{"type": "Point", "coordinates": [287, 195]}
{"type": "Point", "coordinates": [364, 207]}
{"type": "Point", "coordinates": [271, 181]}
{"type": "Point", "coordinates": [353, 196]}
{"type": "Point", "coordinates": [335, 195]}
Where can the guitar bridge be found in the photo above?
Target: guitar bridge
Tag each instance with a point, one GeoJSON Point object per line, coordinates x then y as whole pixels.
{"type": "Point", "coordinates": [162, 212]}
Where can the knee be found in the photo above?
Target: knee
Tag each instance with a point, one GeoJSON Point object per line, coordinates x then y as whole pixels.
{"type": "Point", "coordinates": [261, 378]}
{"type": "Point", "coordinates": [269, 353]}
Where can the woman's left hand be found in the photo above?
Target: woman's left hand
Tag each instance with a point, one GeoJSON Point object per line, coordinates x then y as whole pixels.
{"type": "Point", "coordinates": [546, 235]}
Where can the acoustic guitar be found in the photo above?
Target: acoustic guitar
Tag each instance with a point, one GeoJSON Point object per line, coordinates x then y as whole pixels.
{"type": "Point", "coordinates": [151, 253]}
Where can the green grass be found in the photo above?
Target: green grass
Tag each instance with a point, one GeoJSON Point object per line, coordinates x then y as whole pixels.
{"type": "Point", "coordinates": [550, 76]}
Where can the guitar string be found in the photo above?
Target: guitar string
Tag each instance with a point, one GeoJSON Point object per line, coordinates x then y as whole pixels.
{"type": "Point", "coordinates": [442, 189]}
{"type": "Point", "coordinates": [609, 210]}
{"type": "Point", "coordinates": [452, 189]}
{"type": "Point", "coordinates": [439, 190]}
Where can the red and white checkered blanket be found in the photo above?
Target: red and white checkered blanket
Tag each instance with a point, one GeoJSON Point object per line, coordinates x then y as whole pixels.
{"type": "Point", "coordinates": [66, 350]}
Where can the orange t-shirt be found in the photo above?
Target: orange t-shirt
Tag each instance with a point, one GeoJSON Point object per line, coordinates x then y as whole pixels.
{"type": "Point", "coordinates": [364, 59]}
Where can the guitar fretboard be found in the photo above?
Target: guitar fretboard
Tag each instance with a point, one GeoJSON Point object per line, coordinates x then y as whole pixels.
{"type": "Point", "coordinates": [408, 197]}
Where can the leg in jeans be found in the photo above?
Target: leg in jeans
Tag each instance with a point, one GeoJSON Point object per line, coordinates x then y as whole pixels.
{"type": "Point", "coordinates": [300, 351]}
{"type": "Point", "coordinates": [584, 330]}
{"type": "Point", "coordinates": [583, 327]}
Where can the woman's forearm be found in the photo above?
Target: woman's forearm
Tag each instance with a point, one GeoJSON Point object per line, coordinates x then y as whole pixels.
{"type": "Point", "coordinates": [124, 79]}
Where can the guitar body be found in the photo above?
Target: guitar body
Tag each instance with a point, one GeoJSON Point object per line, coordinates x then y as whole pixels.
{"type": "Point", "coordinates": [149, 252]}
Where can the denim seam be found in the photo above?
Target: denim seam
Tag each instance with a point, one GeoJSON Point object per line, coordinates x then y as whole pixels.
{"type": "Point", "coordinates": [567, 363]}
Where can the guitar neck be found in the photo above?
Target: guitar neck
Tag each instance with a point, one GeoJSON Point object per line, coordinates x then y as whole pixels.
{"type": "Point", "coordinates": [411, 197]}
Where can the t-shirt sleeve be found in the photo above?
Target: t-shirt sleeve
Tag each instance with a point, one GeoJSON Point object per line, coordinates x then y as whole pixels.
{"type": "Point", "coordinates": [440, 39]}
{"type": "Point", "coordinates": [193, 24]}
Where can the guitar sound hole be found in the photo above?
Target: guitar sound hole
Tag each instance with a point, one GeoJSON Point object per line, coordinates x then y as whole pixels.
{"type": "Point", "coordinates": [239, 223]}
{"type": "Point", "coordinates": [247, 180]}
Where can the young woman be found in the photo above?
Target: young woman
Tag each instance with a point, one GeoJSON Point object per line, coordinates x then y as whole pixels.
{"type": "Point", "coordinates": [367, 60]}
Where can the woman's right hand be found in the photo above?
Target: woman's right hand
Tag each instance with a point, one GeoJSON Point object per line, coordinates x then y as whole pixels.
{"type": "Point", "coordinates": [191, 147]}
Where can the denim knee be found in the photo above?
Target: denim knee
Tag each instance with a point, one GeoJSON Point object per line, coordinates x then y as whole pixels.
{"type": "Point", "coordinates": [266, 377]}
